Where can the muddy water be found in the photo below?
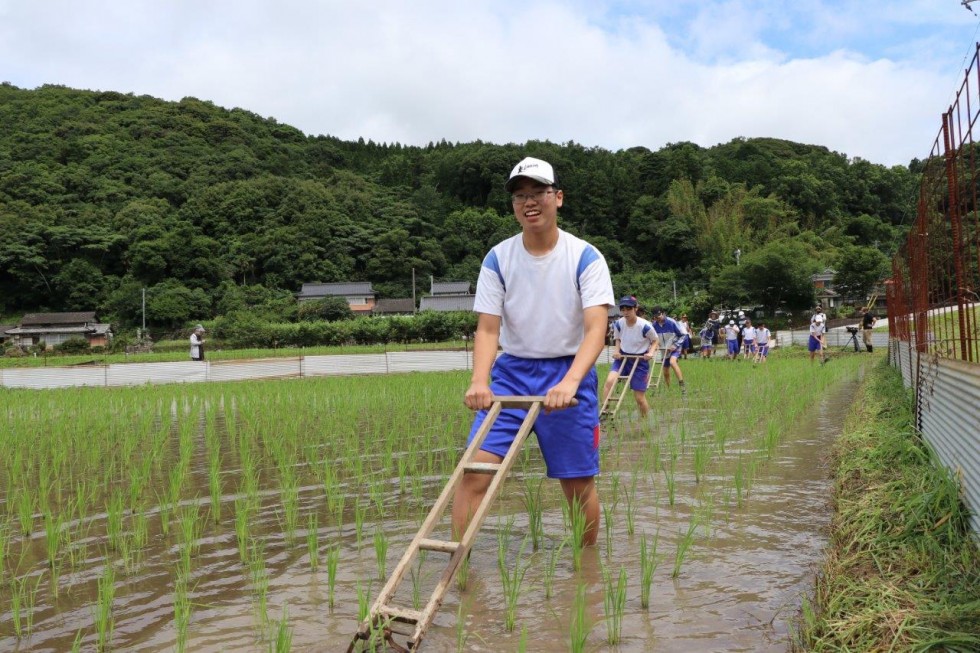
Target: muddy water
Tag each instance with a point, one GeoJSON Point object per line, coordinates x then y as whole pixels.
{"type": "Point", "coordinates": [737, 587]}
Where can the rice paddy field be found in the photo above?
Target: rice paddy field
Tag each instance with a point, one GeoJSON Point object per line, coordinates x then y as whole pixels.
{"type": "Point", "coordinates": [265, 515]}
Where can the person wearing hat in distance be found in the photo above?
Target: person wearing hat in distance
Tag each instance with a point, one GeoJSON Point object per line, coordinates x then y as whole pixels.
{"type": "Point", "coordinates": [818, 312]}
{"type": "Point", "coordinates": [670, 339]}
{"type": "Point", "coordinates": [543, 296]}
{"type": "Point", "coordinates": [816, 341]}
{"type": "Point", "coordinates": [731, 339]}
{"type": "Point", "coordinates": [633, 336]}
{"type": "Point", "coordinates": [197, 343]}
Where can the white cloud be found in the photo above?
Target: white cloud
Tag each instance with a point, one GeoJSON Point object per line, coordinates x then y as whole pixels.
{"type": "Point", "coordinates": [612, 74]}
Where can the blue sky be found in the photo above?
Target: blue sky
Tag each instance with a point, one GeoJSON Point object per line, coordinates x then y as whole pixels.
{"type": "Point", "coordinates": [866, 78]}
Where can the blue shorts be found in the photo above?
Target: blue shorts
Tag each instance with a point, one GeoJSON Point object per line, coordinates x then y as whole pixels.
{"type": "Point", "coordinates": [641, 377]}
{"type": "Point", "coordinates": [749, 346]}
{"type": "Point", "coordinates": [764, 350]}
{"type": "Point", "coordinates": [732, 346]}
{"type": "Point", "coordinates": [685, 342]}
{"type": "Point", "coordinates": [813, 344]}
{"type": "Point", "coordinates": [569, 438]}
{"type": "Point", "coordinates": [671, 354]}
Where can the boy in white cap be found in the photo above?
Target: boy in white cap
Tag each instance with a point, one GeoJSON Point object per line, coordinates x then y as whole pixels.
{"type": "Point", "coordinates": [816, 341]}
{"type": "Point", "coordinates": [731, 339]}
{"type": "Point", "coordinates": [543, 296]}
{"type": "Point", "coordinates": [633, 336]}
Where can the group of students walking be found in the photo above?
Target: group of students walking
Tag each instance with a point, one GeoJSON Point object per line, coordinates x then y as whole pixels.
{"type": "Point", "coordinates": [742, 338]}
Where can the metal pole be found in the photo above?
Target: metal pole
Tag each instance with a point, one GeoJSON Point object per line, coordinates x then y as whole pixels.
{"type": "Point", "coordinates": [144, 310]}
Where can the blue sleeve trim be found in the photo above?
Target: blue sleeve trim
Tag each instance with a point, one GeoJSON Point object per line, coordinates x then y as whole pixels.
{"type": "Point", "coordinates": [588, 257]}
{"type": "Point", "coordinates": [491, 263]}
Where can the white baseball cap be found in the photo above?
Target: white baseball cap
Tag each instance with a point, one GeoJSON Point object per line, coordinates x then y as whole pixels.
{"type": "Point", "coordinates": [536, 169]}
{"type": "Point", "coordinates": [731, 321]}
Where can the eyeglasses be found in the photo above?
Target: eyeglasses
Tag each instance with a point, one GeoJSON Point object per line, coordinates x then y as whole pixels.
{"type": "Point", "coordinates": [537, 196]}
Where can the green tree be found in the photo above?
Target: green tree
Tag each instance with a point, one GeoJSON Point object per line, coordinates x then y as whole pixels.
{"type": "Point", "coordinates": [328, 309]}
{"type": "Point", "coordinates": [859, 270]}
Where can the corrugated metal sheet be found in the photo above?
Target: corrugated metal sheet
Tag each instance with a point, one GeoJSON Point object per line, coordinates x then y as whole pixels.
{"type": "Point", "coordinates": [265, 368]}
{"type": "Point", "coordinates": [949, 406]}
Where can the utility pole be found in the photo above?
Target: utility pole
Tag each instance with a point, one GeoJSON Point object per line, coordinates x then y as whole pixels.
{"type": "Point", "coordinates": [144, 310]}
{"type": "Point", "coordinates": [413, 290]}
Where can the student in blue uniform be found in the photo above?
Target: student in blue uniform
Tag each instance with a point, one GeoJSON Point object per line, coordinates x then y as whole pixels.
{"type": "Point", "coordinates": [633, 336]}
{"type": "Point", "coordinates": [670, 336]}
{"type": "Point", "coordinates": [543, 296]}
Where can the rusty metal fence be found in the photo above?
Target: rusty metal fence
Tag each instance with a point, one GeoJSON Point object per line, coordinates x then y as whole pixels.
{"type": "Point", "coordinates": [932, 295]}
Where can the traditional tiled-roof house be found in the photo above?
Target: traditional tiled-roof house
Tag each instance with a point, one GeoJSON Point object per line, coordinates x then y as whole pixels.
{"type": "Point", "coordinates": [400, 306]}
{"type": "Point", "coordinates": [55, 328]}
{"type": "Point", "coordinates": [448, 296]}
{"type": "Point", "coordinates": [359, 294]}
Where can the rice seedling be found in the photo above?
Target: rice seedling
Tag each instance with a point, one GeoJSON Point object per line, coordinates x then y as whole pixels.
{"type": "Point", "coordinates": [363, 600]}
{"type": "Point", "coordinates": [104, 618]}
{"type": "Point", "coordinates": [702, 455]}
{"type": "Point", "coordinates": [684, 543]}
{"type": "Point", "coordinates": [333, 559]}
{"type": "Point", "coordinates": [290, 503]}
{"type": "Point", "coordinates": [511, 580]}
{"type": "Point", "coordinates": [463, 574]}
{"type": "Point", "coordinates": [608, 517]}
{"type": "Point", "coordinates": [260, 579]}
{"type": "Point", "coordinates": [381, 552]}
{"type": "Point", "coordinates": [114, 520]}
{"type": "Point", "coordinates": [23, 596]}
{"type": "Point", "coordinates": [630, 494]}
{"type": "Point", "coordinates": [532, 502]}
{"type": "Point", "coordinates": [182, 611]}
{"type": "Point", "coordinates": [648, 567]}
{"type": "Point", "coordinates": [282, 642]}
{"type": "Point", "coordinates": [614, 600]}
{"type": "Point", "coordinates": [52, 536]}
{"type": "Point", "coordinates": [578, 526]}
{"type": "Point", "coordinates": [313, 542]}
{"type": "Point", "coordinates": [242, 519]}
{"type": "Point", "coordinates": [548, 577]}
{"type": "Point", "coordinates": [360, 512]}
{"type": "Point", "coordinates": [214, 483]}
{"type": "Point", "coordinates": [669, 467]}
{"type": "Point", "coordinates": [25, 511]}
{"type": "Point", "coordinates": [580, 625]}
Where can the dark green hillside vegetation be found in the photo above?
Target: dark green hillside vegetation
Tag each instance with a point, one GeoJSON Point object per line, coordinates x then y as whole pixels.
{"type": "Point", "coordinates": [215, 210]}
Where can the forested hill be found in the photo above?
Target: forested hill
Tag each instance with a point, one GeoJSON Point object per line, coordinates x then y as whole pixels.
{"type": "Point", "coordinates": [211, 210]}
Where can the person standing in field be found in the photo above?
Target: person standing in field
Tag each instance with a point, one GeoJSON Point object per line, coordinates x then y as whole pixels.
{"type": "Point", "coordinates": [670, 340]}
{"type": "Point", "coordinates": [197, 343]}
{"type": "Point", "coordinates": [748, 339]}
{"type": "Point", "coordinates": [633, 336]}
{"type": "Point", "coordinates": [868, 321]}
{"type": "Point", "coordinates": [816, 342]}
{"type": "Point", "coordinates": [543, 296]}
{"type": "Point", "coordinates": [686, 338]}
{"type": "Point", "coordinates": [731, 339]}
{"type": "Point", "coordinates": [762, 338]}
{"type": "Point", "coordinates": [713, 328]}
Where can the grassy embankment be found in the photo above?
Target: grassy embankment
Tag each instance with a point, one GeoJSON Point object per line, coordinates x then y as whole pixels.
{"type": "Point", "coordinates": [902, 572]}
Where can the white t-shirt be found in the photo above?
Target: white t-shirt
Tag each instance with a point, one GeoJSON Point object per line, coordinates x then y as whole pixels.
{"type": "Point", "coordinates": [541, 299]}
{"type": "Point", "coordinates": [762, 335]}
{"type": "Point", "coordinates": [682, 325]}
{"type": "Point", "coordinates": [731, 332]}
{"type": "Point", "coordinates": [634, 339]}
{"type": "Point", "coordinates": [748, 333]}
{"type": "Point", "coordinates": [816, 329]}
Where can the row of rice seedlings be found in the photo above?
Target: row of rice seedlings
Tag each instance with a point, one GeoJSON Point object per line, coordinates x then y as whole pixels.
{"type": "Point", "coordinates": [614, 600]}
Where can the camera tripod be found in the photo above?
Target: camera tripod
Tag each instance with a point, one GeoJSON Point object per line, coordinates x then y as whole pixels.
{"type": "Point", "coordinates": [853, 340]}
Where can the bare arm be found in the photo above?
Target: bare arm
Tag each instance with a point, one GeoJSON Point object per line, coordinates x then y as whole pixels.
{"type": "Point", "coordinates": [478, 395]}
{"type": "Point", "coordinates": [561, 395]}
